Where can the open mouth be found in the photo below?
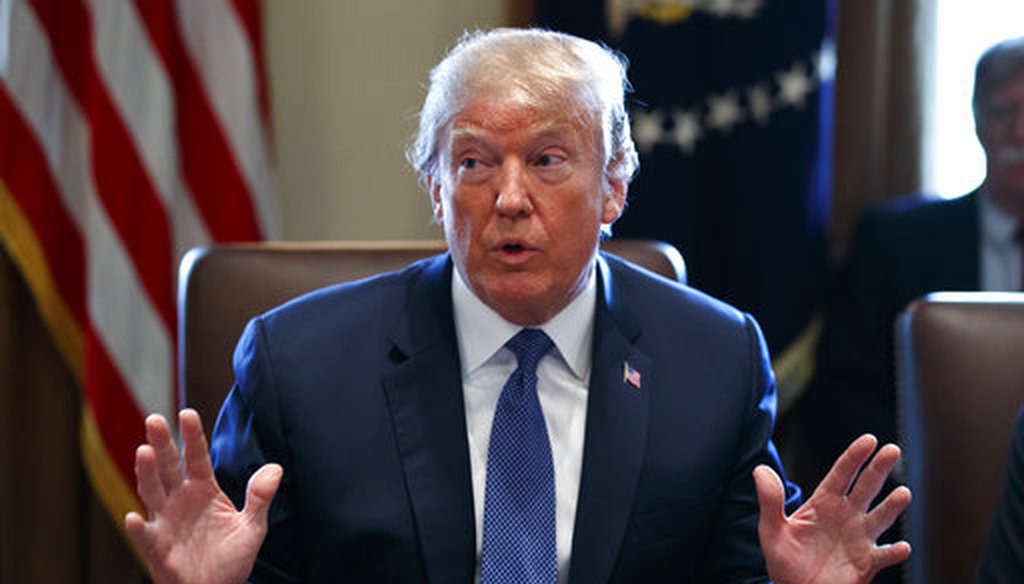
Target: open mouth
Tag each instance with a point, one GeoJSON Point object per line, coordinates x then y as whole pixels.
{"type": "Point", "coordinates": [513, 247]}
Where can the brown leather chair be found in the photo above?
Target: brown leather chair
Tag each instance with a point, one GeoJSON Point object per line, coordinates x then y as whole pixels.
{"type": "Point", "coordinates": [960, 373]}
{"type": "Point", "coordinates": [223, 286]}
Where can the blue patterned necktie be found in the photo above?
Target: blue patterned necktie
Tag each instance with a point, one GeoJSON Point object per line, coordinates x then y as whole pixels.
{"type": "Point", "coordinates": [519, 504]}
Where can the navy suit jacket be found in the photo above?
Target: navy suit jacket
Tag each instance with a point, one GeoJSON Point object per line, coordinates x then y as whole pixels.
{"type": "Point", "coordinates": [900, 252]}
{"type": "Point", "coordinates": [356, 390]}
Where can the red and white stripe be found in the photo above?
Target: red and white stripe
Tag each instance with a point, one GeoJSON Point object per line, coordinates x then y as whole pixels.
{"type": "Point", "coordinates": [130, 131]}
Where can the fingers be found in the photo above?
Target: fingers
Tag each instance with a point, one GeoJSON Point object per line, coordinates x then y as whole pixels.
{"type": "Point", "coordinates": [197, 451]}
{"type": "Point", "coordinates": [260, 492]}
{"type": "Point", "coordinates": [840, 476]}
{"type": "Point", "coordinates": [891, 554]}
{"type": "Point", "coordinates": [135, 527]}
{"type": "Point", "coordinates": [158, 465]}
{"type": "Point", "coordinates": [158, 435]}
{"type": "Point", "coordinates": [873, 476]}
{"type": "Point", "coordinates": [884, 515]}
{"type": "Point", "coordinates": [771, 496]}
{"type": "Point", "coordinates": [147, 479]}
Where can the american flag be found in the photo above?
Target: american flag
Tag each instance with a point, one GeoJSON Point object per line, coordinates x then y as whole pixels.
{"type": "Point", "coordinates": [130, 131]}
{"type": "Point", "coordinates": [630, 375]}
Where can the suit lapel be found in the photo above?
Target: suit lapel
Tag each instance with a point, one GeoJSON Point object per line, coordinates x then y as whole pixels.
{"type": "Point", "coordinates": [424, 393]}
{"type": "Point", "coordinates": [616, 433]}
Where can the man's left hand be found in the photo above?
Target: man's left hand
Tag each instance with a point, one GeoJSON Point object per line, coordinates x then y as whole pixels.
{"type": "Point", "coordinates": [831, 537]}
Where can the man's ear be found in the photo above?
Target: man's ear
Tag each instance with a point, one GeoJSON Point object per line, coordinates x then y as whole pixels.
{"type": "Point", "coordinates": [434, 188]}
{"type": "Point", "coordinates": [614, 199]}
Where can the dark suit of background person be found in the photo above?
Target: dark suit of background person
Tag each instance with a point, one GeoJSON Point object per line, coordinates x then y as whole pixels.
{"type": "Point", "coordinates": [372, 430]}
{"type": "Point", "coordinates": [1002, 560]}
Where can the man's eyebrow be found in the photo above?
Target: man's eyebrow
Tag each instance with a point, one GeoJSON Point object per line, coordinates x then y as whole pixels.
{"type": "Point", "coordinates": [466, 133]}
{"type": "Point", "coordinates": [541, 130]}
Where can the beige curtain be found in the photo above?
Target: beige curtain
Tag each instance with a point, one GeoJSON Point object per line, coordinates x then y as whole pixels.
{"type": "Point", "coordinates": [884, 62]}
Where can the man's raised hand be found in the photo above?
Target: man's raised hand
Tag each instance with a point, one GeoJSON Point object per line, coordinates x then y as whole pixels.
{"type": "Point", "coordinates": [831, 538]}
{"type": "Point", "coordinates": [193, 534]}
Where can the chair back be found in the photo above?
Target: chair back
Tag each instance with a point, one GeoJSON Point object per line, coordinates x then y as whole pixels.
{"type": "Point", "coordinates": [224, 286]}
{"type": "Point", "coordinates": [960, 374]}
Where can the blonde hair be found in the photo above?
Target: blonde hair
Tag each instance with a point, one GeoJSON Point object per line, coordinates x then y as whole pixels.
{"type": "Point", "coordinates": [540, 69]}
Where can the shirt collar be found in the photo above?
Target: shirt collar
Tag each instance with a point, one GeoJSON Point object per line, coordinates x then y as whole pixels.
{"type": "Point", "coordinates": [997, 227]}
{"type": "Point", "coordinates": [482, 332]}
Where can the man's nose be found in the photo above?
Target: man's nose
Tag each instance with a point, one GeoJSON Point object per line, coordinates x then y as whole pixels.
{"type": "Point", "coordinates": [513, 196]}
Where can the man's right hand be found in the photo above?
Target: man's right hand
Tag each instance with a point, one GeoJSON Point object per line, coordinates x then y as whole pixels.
{"type": "Point", "coordinates": [194, 534]}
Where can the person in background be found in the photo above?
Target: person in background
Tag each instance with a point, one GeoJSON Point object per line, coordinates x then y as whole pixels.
{"type": "Point", "coordinates": [913, 246]}
{"type": "Point", "coordinates": [521, 408]}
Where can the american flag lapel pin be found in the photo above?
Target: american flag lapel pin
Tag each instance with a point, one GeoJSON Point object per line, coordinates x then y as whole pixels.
{"type": "Point", "coordinates": [630, 375]}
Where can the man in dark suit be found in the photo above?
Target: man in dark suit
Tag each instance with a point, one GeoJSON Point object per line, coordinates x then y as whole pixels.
{"type": "Point", "coordinates": [1002, 560]}
{"type": "Point", "coordinates": [913, 246]}
{"type": "Point", "coordinates": [366, 436]}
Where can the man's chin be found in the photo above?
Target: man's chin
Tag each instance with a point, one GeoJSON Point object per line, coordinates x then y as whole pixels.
{"type": "Point", "coordinates": [522, 301]}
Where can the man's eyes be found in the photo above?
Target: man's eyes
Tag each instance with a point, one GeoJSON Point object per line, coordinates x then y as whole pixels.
{"type": "Point", "coordinates": [549, 159]}
{"type": "Point", "coordinates": [470, 163]}
{"type": "Point", "coordinates": [1004, 111]}
{"type": "Point", "coordinates": [546, 162]}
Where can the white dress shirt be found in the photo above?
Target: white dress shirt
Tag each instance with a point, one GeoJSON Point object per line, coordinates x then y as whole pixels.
{"type": "Point", "coordinates": [999, 251]}
{"type": "Point", "coordinates": [562, 379]}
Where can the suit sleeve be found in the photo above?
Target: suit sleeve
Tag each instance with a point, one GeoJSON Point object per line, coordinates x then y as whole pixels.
{"type": "Point", "coordinates": [247, 436]}
{"type": "Point", "coordinates": [736, 546]}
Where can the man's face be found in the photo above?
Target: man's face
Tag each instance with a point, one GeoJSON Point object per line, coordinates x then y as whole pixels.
{"type": "Point", "coordinates": [1001, 132]}
{"type": "Point", "coordinates": [522, 197]}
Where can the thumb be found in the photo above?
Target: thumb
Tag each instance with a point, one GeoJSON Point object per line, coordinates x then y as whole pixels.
{"type": "Point", "coordinates": [771, 496]}
{"type": "Point", "coordinates": [260, 492]}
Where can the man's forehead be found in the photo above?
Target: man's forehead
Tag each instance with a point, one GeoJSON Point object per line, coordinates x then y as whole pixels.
{"type": "Point", "coordinates": [469, 129]}
{"type": "Point", "coordinates": [486, 117]}
{"type": "Point", "coordinates": [1003, 100]}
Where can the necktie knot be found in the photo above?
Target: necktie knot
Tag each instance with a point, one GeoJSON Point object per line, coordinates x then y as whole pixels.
{"type": "Point", "coordinates": [530, 345]}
